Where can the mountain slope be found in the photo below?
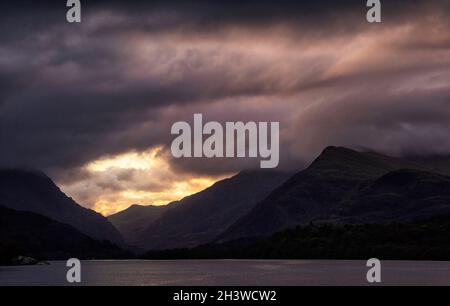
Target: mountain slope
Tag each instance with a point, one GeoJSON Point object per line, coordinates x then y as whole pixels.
{"type": "Point", "coordinates": [201, 217]}
{"type": "Point", "coordinates": [30, 234]}
{"type": "Point", "coordinates": [35, 192]}
{"type": "Point", "coordinates": [132, 221]}
{"type": "Point", "coordinates": [315, 192]}
{"type": "Point", "coordinates": [400, 195]}
{"type": "Point", "coordinates": [434, 163]}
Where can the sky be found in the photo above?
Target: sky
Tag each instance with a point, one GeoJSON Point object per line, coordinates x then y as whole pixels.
{"type": "Point", "coordinates": [91, 104]}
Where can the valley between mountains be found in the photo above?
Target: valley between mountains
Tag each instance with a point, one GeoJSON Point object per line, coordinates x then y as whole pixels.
{"type": "Point", "coordinates": [346, 204]}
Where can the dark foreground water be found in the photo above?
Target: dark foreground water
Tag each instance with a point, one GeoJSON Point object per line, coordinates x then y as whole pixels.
{"type": "Point", "coordinates": [229, 272]}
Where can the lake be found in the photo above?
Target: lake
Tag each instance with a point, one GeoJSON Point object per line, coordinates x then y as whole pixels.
{"type": "Point", "coordinates": [229, 272]}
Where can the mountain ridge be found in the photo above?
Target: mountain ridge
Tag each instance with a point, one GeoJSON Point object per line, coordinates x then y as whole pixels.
{"type": "Point", "coordinates": [315, 192]}
{"type": "Point", "coordinates": [200, 217]}
{"type": "Point", "coordinates": [30, 234]}
{"type": "Point", "coordinates": [33, 191]}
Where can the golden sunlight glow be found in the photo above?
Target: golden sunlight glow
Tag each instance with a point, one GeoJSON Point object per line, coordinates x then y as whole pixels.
{"type": "Point", "coordinates": [116, 182]}
{"type": "Point", "coordinates": [132, 160]}
{"type": "Point", "coordinates": [173, 193]}
{"type": "Point", "coordinates": [107, 205]}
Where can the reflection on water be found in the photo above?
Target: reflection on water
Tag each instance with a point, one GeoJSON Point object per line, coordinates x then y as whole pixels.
{"type": "Point", "coordinates": [229, 272]}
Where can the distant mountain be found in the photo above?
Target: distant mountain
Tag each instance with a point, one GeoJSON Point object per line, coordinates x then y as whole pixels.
{"type": "Point", "coordinates": [35, 192]}
{"type": "Point", "coordinates": [29, 234]}
{"type": "Point", "coordinates": [132, 221]}
{"type": "Point", "coordinates": [339, 180]}
{"type": "Point", "coordinates": [201, 217]}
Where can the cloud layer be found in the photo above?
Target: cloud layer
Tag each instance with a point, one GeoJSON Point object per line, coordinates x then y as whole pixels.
{"type": "Point", "coordinates": [71, 94]}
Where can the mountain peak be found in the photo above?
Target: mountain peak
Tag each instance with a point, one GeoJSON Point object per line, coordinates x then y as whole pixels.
{"type": "Point", "coordinates": [336, 152]}
{"type": "Point", "coordinates": [200, 217]}
{"type": "Point", "coordinates": [341, 159]}
{"type": "Point", "coordinates": [369, 164]}
{"type": "Point", "coordinates": [317, 191]}
{"type": "Point", "coordinates": [24, 172]}
{"type": "Point", "coordinates": [332, 152]}
{"type": "Point", "coordinates": [134, 209]}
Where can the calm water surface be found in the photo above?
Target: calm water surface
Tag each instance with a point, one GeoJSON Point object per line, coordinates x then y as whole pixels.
{"type": "Point", "coordinates": [229, 272]}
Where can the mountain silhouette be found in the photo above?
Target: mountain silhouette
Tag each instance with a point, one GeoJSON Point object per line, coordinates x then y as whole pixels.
{"type": "Point", "coordinates": [33, 191]}
{"type": "Point", "coordinates": [343, 185]}
{"type": "Point", "coordinates": [401, 195]}
{"type": "Point", "coordinates": [29, 234]}
{"type": "Point", "coordinates": [198, 218]}
{"type": "Point", "coordinates": [132, 221]}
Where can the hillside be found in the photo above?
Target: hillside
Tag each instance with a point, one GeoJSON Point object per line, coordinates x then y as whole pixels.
{"type": "Point", "coordinates": [30, 234]}
{"type": "Point", "coordinates": [414, 240]}
{"type": "Point", "coordinates": [317, 192]}
{"type": "Point", "coordinates": [201, 217]}
{"type": "Point", "coordinates": [35, 192]}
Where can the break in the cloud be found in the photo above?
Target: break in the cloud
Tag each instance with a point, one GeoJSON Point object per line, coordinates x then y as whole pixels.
{"type": "Point", "coordinates": [107, 90]}
{"type": "Point", "coordinates": [111, 183]}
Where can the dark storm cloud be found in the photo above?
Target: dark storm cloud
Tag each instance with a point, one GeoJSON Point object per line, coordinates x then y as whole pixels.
{"type": "Point", "coordinates": [205, 15]}
{"type": "Point", "coordinates": [71, 93]}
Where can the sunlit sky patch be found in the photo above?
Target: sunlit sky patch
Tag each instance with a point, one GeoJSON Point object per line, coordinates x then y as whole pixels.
{"type": "Point", "coordinates": [113, 183]}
